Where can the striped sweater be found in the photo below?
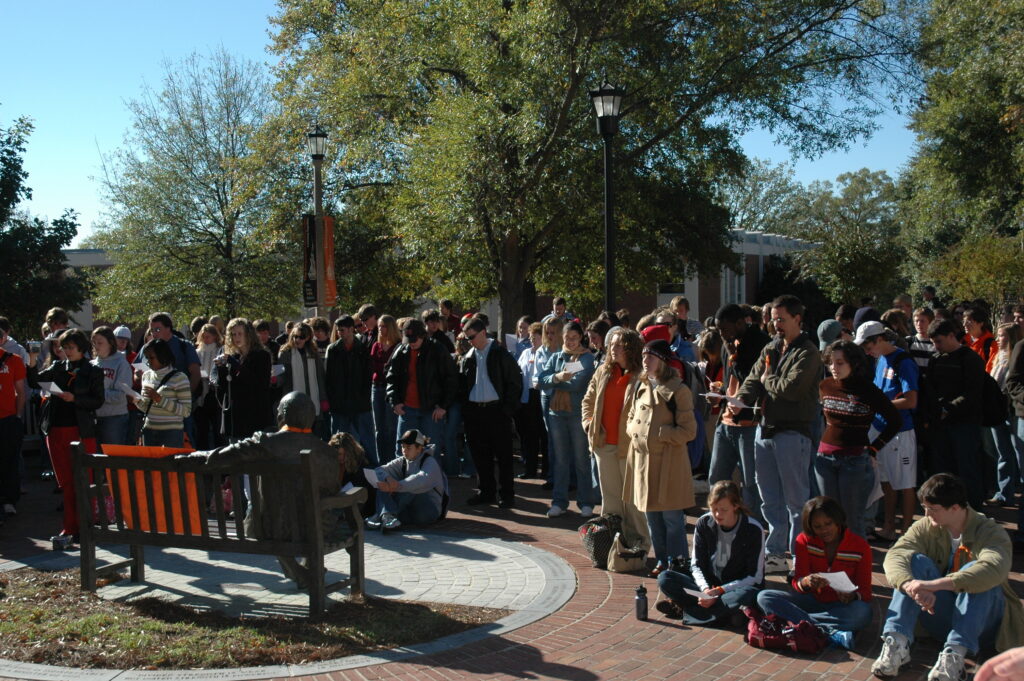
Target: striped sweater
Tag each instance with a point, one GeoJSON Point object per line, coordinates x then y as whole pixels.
{"type": "Point", "coordinates": [853, 556]}
{"type": "Point", "coordinates": [175, 400]}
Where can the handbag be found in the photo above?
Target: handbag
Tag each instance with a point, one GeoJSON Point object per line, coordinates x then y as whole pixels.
{"type": "Point", "coordinates": [596, 535]}
{"type": "Point", "coordinates": [771, 632]}
{"type": "Point", "coordinates": [622, 558]}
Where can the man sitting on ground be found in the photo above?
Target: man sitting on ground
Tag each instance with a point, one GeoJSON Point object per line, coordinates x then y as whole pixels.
{"type": "Point", "coordinates": [950, 571]}
{"type": "Point", "coordinates": [412, 488]}
{"type": "Point", "coordinates": [278, 501]}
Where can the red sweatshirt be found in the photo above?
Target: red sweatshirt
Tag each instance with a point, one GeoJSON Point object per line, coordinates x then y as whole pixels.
{"type": "Point", "coordinates": [852, 557]}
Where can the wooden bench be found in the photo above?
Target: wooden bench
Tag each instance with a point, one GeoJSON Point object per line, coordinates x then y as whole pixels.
{"type": "Point", "coordinates": [163, 502]}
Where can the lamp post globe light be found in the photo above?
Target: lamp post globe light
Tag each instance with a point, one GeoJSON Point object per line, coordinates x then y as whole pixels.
{"type": "Point", "coordinates": [316, 144]}
{"type": "Point", "coordinates": [607, 102]}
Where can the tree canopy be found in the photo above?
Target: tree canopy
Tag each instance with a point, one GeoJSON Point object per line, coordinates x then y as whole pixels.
{"type": "Point", "coordinates": [963, 193]}
{"type": "Point", "coordinates": [36, 275]}
{"type": "Point", "coordinates": [197, 225]}
{"type": "Point", "coordinates": [473, 120]}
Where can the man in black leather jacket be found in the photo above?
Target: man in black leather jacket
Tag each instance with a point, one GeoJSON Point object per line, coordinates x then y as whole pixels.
{"type": "Point", "coordinates": [491, 393]}
{"type": "Point", "coordinates": [420, 395]}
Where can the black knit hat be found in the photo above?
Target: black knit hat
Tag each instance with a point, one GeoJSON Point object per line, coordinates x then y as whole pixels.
{"type": "Point", "coordinates": [660, 349]}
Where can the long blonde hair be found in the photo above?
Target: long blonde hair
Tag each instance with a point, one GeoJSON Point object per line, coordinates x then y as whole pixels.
{"type": "Point", "coordinates": [387, 331]}
{"type": "Point", "coordinates": [252, 341]}
{"type": "Point", "coordinates": [556, 324]}
{"type": "Point", "coordinates": [302, 330]}
{"type": "Point", "coordinates": [209, 328]}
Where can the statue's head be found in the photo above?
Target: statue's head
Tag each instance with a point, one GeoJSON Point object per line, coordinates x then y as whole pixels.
{"type": "Point", "coordinates": [296, 410]}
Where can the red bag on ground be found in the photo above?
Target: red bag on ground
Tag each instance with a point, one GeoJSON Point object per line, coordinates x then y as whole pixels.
{"type": "Point", "coordinates": [771, 632]}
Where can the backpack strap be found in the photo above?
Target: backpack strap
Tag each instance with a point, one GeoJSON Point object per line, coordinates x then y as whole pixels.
{"type": "Point", "coordinates": [162, 383]}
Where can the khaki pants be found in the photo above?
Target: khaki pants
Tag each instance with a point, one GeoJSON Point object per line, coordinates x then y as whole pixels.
{"type": "Point", "coordinates": [611, 472]}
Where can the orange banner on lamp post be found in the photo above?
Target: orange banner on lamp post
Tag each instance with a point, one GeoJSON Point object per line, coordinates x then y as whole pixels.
{"type": "Point", "coordinates": [330, 283]}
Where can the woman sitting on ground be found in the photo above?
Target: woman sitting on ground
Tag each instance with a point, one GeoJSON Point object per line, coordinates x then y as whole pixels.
{"type": "Point", "coordinates": [826, 545]}
{"type": "Point", "coordinates": [352, 462]}
{"type": "Point", "coordinates": [727, 563]}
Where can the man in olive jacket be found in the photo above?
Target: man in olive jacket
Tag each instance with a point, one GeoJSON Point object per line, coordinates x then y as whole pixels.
{"type": "Point", "coordinates": [949, 573]}
{"type": "Point", "coordinates": [1015, 391]}
{"type": "Point", "coordinates": [784, 383]}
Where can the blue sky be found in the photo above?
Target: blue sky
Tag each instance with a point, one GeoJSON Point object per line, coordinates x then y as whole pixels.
{"type": "Point", "coordinates": [72, 65]}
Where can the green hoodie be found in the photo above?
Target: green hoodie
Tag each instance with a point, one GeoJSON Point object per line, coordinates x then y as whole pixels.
{"type": "Point", "coordinates": [790, 392]}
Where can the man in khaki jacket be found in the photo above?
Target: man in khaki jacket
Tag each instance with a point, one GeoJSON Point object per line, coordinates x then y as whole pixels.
{"type": "Point", "coordinates": [949, 573]}
{"type": "Point", "coordinates": [605, 410]}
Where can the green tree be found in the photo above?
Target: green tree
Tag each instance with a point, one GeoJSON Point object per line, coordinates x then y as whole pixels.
{"type": "Point", "coordinates": [36, 274]}
{"type": "Point", "coordinates": [474, 119]}
{"type": "Point", "coordinates": [856, 235]}
{"type": "Point", "coordinates": [965, 184]}
{"type": "Point", "coordinates": [764, 197]}
{"type": "Point", "coordinates": [197, 226]}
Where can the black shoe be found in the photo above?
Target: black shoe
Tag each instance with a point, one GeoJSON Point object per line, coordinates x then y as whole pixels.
{"type": "Point", "coordinates": [479, 499]}
{"type": "Point", "coordinates": [507, 503]}
{"type": "Point", "coordinates": [525, 476]}
{"type": "Point", "coordinates": [670, 609]}
{"type": "Point", "coordinates": [548, 486]}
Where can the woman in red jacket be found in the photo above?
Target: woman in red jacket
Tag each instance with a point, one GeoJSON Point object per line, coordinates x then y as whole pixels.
{"type": "Point", "coordinates": [826, 545]}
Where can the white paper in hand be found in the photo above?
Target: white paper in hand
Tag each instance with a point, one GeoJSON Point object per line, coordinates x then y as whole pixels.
{"type": "Point", "coordinates": [839, 581]}
{"type": "Point", "coordinates": [140, 366]}
{"type": "Point", "coordinates": [700, 595]}
{"type": "Point", "coordinates": [127, 390]}
{"type": "Point", "coordinates": [371, 476]}
{"type": "Point", "coordinates": [573, 367]}
{"type": "Point", "coordinates": [511, 341]}
{"type": "Point", "coordinates": [51, 388]}
{"type": "Point", "coordinates": [277, 370]}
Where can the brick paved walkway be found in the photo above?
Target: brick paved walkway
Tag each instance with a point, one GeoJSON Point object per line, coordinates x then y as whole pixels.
{"type": "Point", "coordinates": [593, 636]}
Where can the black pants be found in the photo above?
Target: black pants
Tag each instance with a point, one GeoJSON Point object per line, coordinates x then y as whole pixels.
{"type": "Point", "coordinates": [533, 436]}
{"type": "Point", "coordinates": [489, 431]}
{"type": "Point", "coordinates": [11, 434]}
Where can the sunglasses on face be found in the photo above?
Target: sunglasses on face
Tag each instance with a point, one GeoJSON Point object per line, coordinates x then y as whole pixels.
{"type": "Point", "coordinates": [411, 336]}
{"type": "Point", "coordinates": [469, 338]}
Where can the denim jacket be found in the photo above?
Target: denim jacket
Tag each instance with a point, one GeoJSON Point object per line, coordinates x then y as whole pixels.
{"type": "Point", "coordinates": [576, 386]}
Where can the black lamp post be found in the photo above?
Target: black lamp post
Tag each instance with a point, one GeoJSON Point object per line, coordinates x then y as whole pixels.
{"type": "Point", "coordinates": [316, 143]}
{"type": "Point", "coordinates": [607, 100]}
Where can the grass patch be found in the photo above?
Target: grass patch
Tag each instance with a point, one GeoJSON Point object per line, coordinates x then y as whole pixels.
{"type": "Point", "coordinates": [45, 618]}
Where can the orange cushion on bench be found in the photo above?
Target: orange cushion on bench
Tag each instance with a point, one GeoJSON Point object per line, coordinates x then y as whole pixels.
{"type": "Point", "coordinates": [195, 514]}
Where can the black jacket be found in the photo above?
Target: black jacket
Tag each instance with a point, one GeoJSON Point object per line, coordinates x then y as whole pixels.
{"type": "Point", "coordinates": [87, 387]}
{"type": "Point", "coordinates": [746, 559]}
{"type": "Point", "coordinates": [348, 375]}
{"type": "Point", "coordinates": [246, 397]}
{"type": "Point", "coordinates": [739, 365]}
{"type": "Point", "coordinates": [504, 372]}
{"type": "Point", "coordinates": [436, 376]}
{"type": "Point", "coordinates": [955, 383]}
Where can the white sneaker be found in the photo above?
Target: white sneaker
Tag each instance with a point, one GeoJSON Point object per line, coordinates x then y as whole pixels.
{"type": "Point", "coordinates": [949, 667]}
{"type": "Point", "coordinates": [587, 511]}
{"type": "Point", "coordinates": [389, 522]}
{"type": "Point", "coordinates": [701, 487]}
{"type": "Point", "coordinates": [555, 511]}
{"type": "Point", "coordinates": [895, 653]}
{"type": "Point", "coordinates": [10, 510]}
{"type": "Point", "coordinates": [775, 564]}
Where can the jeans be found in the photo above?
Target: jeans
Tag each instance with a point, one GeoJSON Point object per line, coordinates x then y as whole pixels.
{"type": "Point", "coordinates": [957, 449]}
{"type": "Point", "coordinates": [113, 430]}
{"type": "Point", "coordinates": [970, 620]}
{"type": "Point", "coordinates": [668, 534]}
{"type": "Point", "coordinates": [385, 424]}
{"type": "Point", "coordinates": [360, 426]}
{"type": "Point", "coordinates": [1010, 451]}
{"type": "Point", "coordinates": [414, 509]}
{"type": "Point", "coordinates": [163, 438]}
{"type": "Point", "coordinates": [673, 583]}
{"type": "Point", "coordinates": [189, 428]}
{"type": "Point", "coordinates": [569, 451]}
{"type": "Point", "coordinates": [1019, 534]}
{"type": "Point", "coordinates": [782, 465]}
{"type": "Point", "coordinates": [793, 607]}
{"type": "Point", "coordinates": [734, 446]}
{"type": "Point", "coordinates": [452, 459]}
{"type": "Point", "coordinates": [423, 421]}
{"type": "Point", "coordinates": [848, 480]}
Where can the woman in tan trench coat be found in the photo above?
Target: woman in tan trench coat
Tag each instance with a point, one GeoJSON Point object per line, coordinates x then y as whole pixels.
{"type": "Point", "coordinates": [658, 478]}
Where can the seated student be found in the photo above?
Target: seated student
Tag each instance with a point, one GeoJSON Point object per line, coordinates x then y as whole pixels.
{"type": "Point", "coordinates": [352, 461]}
{"type": "Point", "coordinates": [727, 563]}
{"type": "Point", "coordinates": [950, 573]}
{"type": "Point", "coordinates": [412, 487]}
{"type": "Point", "coordinates": [826, 545]}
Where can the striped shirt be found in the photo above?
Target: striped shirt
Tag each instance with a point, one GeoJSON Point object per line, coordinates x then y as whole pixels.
{"type": "Point", "coordinates": [175, 400]}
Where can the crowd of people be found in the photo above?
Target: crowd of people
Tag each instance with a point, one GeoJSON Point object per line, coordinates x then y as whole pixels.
{"type": "Point", "coordinates": [809, 440]}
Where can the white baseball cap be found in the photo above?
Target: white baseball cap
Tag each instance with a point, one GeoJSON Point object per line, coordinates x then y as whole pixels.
{"type": "Point", "coordinates": [868, 330]}
{"type": "Point", "coordinates": [123, 332]}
